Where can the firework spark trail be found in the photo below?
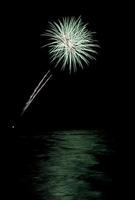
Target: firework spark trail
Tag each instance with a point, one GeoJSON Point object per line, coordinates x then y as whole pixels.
{"type": "Point", "coordinates": [39, 85]}
{"type": "Point", "coordinates": [35, 94]}
{"type": "Point", "coordinates": [36, 91]}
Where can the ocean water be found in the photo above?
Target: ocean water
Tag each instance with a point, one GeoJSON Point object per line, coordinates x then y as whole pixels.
{"type": "Point", "coordinates": [65, 165]}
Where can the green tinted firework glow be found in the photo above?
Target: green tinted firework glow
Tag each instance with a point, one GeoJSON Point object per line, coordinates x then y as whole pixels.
{"type": "Point", "coordinates": [70, 42]}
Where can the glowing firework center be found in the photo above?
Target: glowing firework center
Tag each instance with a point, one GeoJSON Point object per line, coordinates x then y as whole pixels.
{"type": "Point", "coordinates": [69, 43]}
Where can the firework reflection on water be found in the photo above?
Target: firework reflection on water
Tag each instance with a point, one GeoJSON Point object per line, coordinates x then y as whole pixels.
{"type": "Point", "coordinates": [69, 169]}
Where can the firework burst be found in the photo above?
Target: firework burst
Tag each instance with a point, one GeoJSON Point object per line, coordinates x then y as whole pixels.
{"type": "Point", "coordinates": [70, 43]}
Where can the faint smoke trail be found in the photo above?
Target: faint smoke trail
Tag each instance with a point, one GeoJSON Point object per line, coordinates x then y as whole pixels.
{"type": "Point", "coordinates": [37, 90]}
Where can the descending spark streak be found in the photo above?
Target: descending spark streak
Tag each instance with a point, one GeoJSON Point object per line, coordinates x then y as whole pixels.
{"type": "Point", "coordinates": [39, 84]}
{"type": "Point", "coordinates": [36, 91]}
{"type": "Point", "coordinates": [35, 94]}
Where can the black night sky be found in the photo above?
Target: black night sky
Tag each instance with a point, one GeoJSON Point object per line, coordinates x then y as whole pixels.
{"type": "Point", "coordinates": [87, 99]}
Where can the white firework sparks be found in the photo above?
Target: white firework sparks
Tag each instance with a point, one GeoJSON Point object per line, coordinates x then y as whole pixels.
{"type": "Point", "coordinates": [70, 42]}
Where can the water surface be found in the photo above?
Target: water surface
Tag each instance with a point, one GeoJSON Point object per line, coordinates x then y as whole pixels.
{"type": "Point", "coordinates": [67, 165]}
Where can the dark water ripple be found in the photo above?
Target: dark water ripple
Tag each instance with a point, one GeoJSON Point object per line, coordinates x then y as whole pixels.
{"type": "Point", "coordinates": [67, 166]}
